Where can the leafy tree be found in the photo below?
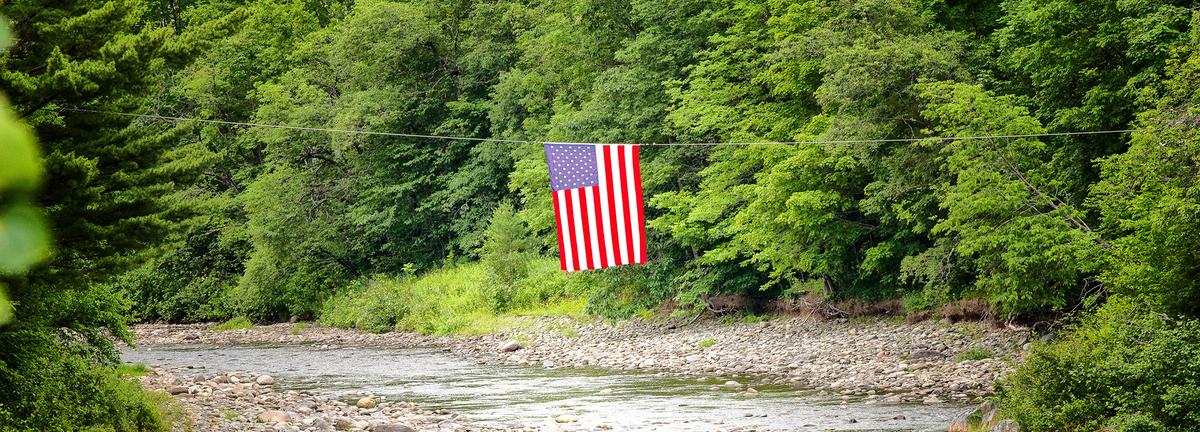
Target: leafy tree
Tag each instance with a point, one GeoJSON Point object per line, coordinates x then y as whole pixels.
{"type": "Point", "coordinates": [1025, 247]}
{"type": "Point", "coordinates": [1060, 55]}
{"type": "Point", "coordinates": [1149, 197]}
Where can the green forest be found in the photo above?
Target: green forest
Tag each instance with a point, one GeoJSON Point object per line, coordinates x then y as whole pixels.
{"type": "Point", "coordinates": [118, 206]}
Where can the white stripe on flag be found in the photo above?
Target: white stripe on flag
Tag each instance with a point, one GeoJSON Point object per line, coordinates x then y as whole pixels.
{"type": "Point", "coordinates": [630, 187]}
{"type": "Point", "coordinates": [577, 222]}
{"type": "Point", "coordinates": [569, 258]}
{"type": "Point", "coordinates": [606, 224]}
{"type": "Point", "coordinates": [590, 206]}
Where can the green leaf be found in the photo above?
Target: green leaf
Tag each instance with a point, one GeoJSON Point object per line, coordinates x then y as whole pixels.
{"type": "Point", "coordinates": [23, 239]}
{"type": "Point", "coordinates": [6, 311]}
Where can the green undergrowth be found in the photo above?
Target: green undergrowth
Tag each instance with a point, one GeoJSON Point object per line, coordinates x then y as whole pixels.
{"type": "Point", "coordinates": [975, 353]}
{"type": "Point", "coordinates": [1123, 369]}
{"type": "Point", "coordinates": [84, 392]}
{"type": "Point", "coordinates": [236, 323]}
{"type": "Point", "coordinates": [133, 370]}
{"type": "Point", "coordinates": [460, 300]}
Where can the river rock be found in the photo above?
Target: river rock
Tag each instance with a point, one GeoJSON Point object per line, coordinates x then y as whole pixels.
{"type": "Point", "coordinates": [961, 424]}
{"type": "Point", "coordinates": [926, 355]}
{"type": "Point", "coordinates": [343, 423]}
{"type": "Point", "coordinates": [274, 416]}
{"type": "Point", "coordinates": [566, 418]}
{"type": "Point", "coordinates": [1006, 425]}
{"type": "Point", "coordinates": [510, 346]}
{"type": "Point", "coordinates": [177, 389]}
{"type": "Point", "coordinates": [986, 412]}
{"type": "Point", "coordinates": [392, 427]}
{"type": "Point", "coordinates": [733, 384]}
{"type": "Point", "coordinates": [365, 403]}
{"type": "Point", "coordinates": [264, 380]}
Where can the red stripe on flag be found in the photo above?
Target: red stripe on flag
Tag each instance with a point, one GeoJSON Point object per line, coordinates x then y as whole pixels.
{"type": "Point", "coordinates": [603, 240]}
{"type": "Point", "coordinates": [612, 208]}
{"type": "Point", "coordinates": [587, 229]}
{"type": "Point", "coordinates": [641, 213]}
{"type": "Point", "coordinates": [562, 256]}
{"type": "Point", "coordinates": [628, 205]}
{"type": "Point", "coordinates": [571, 226]}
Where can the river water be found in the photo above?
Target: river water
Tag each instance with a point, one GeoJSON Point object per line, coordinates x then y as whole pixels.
{"type": "Point", "coordinates": [502, 395]}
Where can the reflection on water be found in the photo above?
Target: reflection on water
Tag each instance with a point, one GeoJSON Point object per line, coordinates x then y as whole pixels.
{"type": "Point", "coordinates": [501, 395]}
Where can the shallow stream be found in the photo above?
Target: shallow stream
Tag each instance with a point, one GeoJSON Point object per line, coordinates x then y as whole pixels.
{"type": "Point", "coordinates": [509, 395]}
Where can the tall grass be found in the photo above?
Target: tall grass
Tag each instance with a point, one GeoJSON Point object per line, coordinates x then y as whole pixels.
{"type": "Point", "coordinates": [464, 300]}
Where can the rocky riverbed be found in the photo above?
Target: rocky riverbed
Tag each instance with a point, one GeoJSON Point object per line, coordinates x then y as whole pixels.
{"type": "Point", "coordinates": [929, 362]}
{"type": "Point", "coordinates": [241, 401]}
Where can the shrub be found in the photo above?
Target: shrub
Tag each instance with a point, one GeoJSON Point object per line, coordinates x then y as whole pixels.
{"type": "Point", "coordinates": [47, 384]}
{"type": "Point", "coordinates": [1123, 369]}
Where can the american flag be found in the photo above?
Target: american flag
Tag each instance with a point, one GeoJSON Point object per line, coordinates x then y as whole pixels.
{"type": "Point", "coordinates": [597, 205]}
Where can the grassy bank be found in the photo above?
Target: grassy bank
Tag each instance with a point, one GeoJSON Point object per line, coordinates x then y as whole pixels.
{"type": "Point", "coordinates": [461, 300]}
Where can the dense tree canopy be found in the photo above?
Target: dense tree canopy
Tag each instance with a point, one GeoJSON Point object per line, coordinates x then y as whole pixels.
{"type": "Point", "coordinates": [269, 222]}
{"type": "Point", "coordinates": [196, 220]}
